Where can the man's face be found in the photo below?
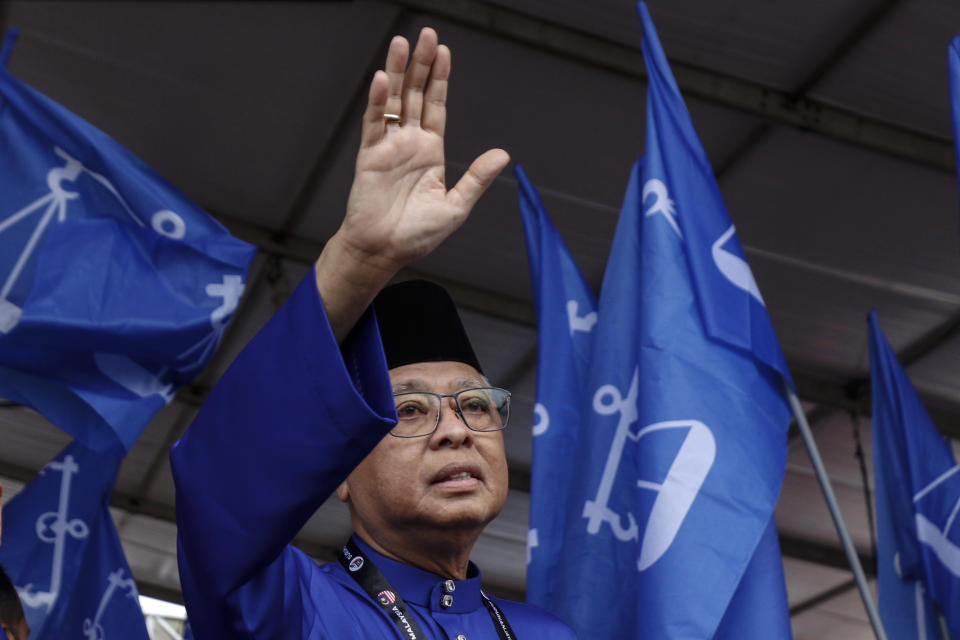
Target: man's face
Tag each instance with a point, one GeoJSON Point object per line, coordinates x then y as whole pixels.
{"type": "Point", "coordinates": [409, 483]}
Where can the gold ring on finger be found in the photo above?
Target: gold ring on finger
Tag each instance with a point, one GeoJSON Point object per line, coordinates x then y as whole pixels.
{"type": "Point", "coordinates": [391, 118]}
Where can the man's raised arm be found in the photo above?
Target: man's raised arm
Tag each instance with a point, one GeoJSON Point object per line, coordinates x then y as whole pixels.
{"type": "Point", "coordinates": [399, 208]}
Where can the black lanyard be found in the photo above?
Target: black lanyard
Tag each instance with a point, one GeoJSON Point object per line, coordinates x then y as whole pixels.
{"type": "Point", "coordinates": [371, 580]}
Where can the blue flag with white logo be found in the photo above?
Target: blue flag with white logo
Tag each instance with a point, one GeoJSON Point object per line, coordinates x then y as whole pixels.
{"type": "Point", "coordinates": [114, 288]}
{"type": "Point", "coordinates": [566, 316]}
{"type": "Point", "coordinates": [917, 483]}
{"type": "Point", "coordinates": [681, 448]}
{"type": "Point", "coordinates": [62, 551]}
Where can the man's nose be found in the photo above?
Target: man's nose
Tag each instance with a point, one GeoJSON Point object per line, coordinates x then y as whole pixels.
{"type": "Point", "coordinates": [451, 429]}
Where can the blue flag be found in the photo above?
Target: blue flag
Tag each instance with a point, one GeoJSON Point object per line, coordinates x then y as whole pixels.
{"type": "Point", "coordinates": [676, 464]}
{"type": "Point", "coordinates": [61, 549]}
{"type": "Point", "coordinates": [114, 287]}
{"type": "Point", "coordinates": [918, 499]}
{"type": "Point", "coordinates": [566, 316]}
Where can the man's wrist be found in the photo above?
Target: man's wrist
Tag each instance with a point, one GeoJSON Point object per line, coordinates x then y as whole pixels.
{"type": "Point", "coordinates": [347, 280]}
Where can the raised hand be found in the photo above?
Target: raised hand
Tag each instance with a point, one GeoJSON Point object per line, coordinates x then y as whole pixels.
{"type": "Point", "coordinates": [399, 208]}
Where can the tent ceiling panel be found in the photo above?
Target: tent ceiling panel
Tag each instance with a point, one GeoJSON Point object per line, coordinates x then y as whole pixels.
{"type": "Point", "coordinates": [501, 346]}
{"type": "Point", "coordinates": [837, 443]}
{"type": "Point", "coordinates": [802, 511]}
{"type": "Point", "coordinates": [543, 119]}
{"type": "Point", "coordinates": [773, 43]}
{"type": "Point", "coordinates": [848, 606]}
{"type": "Point", "coordinates": [329, 526]}
{"type": "Point", "coordinates": [29, 440]}
{"type": "Point", "coordinates": [816, 624]}
{"type": "Point", "coordinates": [518, 438]}
{"type": "Point", "coordinates": [203, 110]}
{"type": "Point", "coordinates": [158, 488]}
{"type": "Point", "coordinates": [151, 549]}
{"type": "Point", "coordinates": [897, 76]}
{"type": "Point", "coordinates": [526, 384]}
{"type": "Point", "coordinates": [937, 375]}
{"type": "Point", "coordinates": [152, 448]}
{"type": "Point", "coordinates": [560, 112]}
{"type": "Point", "coordinates": [806, 580]}
{"type": "Point", "coordinates": [538, 106]}
{"type": "Point", "coordinates": [821, 321]}
{"type": "Point", "coordinates": [809, 198]}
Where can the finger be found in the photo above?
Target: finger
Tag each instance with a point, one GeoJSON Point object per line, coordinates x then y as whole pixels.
{"type": "Point", "coordinates": [395, 66]}
{"type": "Point", "coordinates": [434, 116]}
{"type": "Point", "coordinates": [373, 127]}
{"type": "Point", "coordinates": [418, 74]}
{"type": "Point", "coordinates": [478, 177]}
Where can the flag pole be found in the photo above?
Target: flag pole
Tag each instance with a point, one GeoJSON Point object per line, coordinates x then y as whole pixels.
{"type": "Point", "coordinates": [944, 630]}
{"type": "Point", "coordinates": [851, 553]}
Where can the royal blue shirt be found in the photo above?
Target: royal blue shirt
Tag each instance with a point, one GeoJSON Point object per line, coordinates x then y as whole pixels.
{"type": "Point", "coordinates": [286, 424]}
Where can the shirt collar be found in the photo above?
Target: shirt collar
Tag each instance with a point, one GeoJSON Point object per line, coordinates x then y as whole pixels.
{"type": "Point", "coordinates": [426, 589]}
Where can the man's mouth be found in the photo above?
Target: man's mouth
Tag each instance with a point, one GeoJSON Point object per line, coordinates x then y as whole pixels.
{"type": "Point", "coordinates": [457, 476]}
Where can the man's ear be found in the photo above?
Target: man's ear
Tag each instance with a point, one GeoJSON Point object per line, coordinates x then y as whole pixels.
{"type": "Point", "coordinates": [343, 492]}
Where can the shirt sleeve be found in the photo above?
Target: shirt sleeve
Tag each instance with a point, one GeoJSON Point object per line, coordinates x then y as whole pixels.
{"type": "Point", "coordinates": [288, 421]}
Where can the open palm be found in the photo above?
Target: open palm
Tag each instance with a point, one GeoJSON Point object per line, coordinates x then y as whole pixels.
{"type": "Point", "coordinates": [399, 208]}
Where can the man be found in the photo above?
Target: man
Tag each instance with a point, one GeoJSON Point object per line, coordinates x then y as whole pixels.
{"type": "Point", "coordinates": [309, 407]}
{"type": "Point", "coordinates": [12, 620]}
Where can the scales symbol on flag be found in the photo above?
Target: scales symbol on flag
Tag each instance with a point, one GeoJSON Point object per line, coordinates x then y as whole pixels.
{"type": "Point", "coordinates": [577, 322]}
{"type": "Point", "coordinates": [533, 541]}
{"type": "Point", "coordinates": [134, 377]}
{"type": "Point", "coordinates": [53, 527]}
{"type": "Point", "coordinates": [947, 551]}
{"type": "Point", "coordinates": [54, 205]}
{"type": "Point", "coordinates": [675, 494]}
{"type": "Point", "coordinates": [662, 203]}
{"type": "Point", "coordinates": [92, 628]}
{"type": "Point", "coordinates": [117, 367]}
{"type": "Point", "coordinates": [542, 420]}
{"type": "Point", "coordinates": [733, 267]}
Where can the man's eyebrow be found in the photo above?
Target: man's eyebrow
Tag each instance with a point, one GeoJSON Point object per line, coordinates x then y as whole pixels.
{"type": "Point", "coordinates": [416, 384]}
{"type": "Point", "coordinates": [470, 383]}
{"type": "Point", "coordinates": [411, 384]}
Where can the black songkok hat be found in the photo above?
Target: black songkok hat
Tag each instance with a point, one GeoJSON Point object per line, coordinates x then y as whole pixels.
{"type": "Point", "coordinates": [419, 323]}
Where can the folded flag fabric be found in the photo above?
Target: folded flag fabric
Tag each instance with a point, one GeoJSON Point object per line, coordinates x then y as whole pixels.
{"type": "Point", "coordinates": [660, 435]}
{"type": "Point", "coordinates": [917, 483]}
{"type": "Point", "coordinates": [62, 551]}
{"type": "Point", "coordinates": [114, 288]}
{"type": "Point", "coordinates": [566, 317]}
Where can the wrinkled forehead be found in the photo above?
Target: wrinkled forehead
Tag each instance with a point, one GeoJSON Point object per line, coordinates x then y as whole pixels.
{"type": "Point", "coordinates": [438, 377]}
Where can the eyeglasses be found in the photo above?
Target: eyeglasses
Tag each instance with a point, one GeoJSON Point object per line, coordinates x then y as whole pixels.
{"type": "Point", "coordinates": [481, 409]}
